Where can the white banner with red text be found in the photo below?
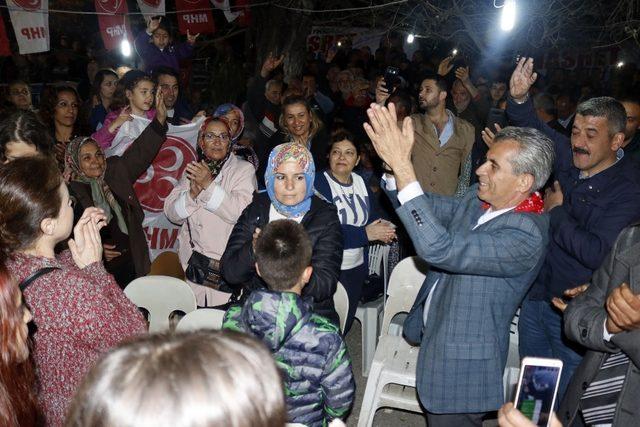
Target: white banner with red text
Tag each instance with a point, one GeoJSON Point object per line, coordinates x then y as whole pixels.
{"type": "Point", "coordinates": [115, 26]}
{"type": "Point", "coordinates": [30, 20]}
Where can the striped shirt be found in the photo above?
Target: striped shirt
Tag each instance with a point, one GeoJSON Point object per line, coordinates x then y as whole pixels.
{"type": "Point", "coordinates": [600, 399]}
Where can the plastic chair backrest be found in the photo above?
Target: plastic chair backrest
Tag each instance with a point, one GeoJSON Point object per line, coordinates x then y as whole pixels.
{"type": "Point", "coordinates": [204, 318]}
{"type": "Point", "coordinates": [341, 303]}
{"type": "Point", "coordinates": [161, 296]}
{"type": "Point", "coordinates": [167, 264]}
{"type": "Point", "coordinates": [405, 282]}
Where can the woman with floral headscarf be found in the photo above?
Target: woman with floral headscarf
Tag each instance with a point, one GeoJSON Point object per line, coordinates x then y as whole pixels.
{"type": "Point", "coordinates": [235, 119]}
{"type": "Point", "coordinates": [108, 184]}
{"type": "Point", "coordinates": [207, 202]}
{"type": "Point", "coordinates": [289, 181]}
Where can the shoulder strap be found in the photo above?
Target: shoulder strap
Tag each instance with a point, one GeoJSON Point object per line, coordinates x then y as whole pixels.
{"type": "Point", "coordinates": [41, 272]}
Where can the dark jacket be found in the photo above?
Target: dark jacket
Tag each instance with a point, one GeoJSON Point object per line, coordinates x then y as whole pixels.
{"type": "Point", "coordinates": [594, 211]}
{"type": "Point", "coordinates": [260, 106]}
{"type": "Point", "coordinates": [153, 57]}
{"type": "Point", "coordinates": [121, 173]}
{"type": "Point", "coordinates": [584, 323]}
{"type": "Point", "coordinates": [181, 111]}
{"type": "Point", "coordinates": [311, 354]}
{"type": "Point", "coordinates": [321, 222]}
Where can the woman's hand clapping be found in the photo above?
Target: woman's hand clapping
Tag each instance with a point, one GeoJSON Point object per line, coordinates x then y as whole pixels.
{"type": "Point", "coordinates": [381, 230]}
{"type": "Point", "coordinates": [199, 175]}
{"type": "Point", "coordinates": [86, 245]}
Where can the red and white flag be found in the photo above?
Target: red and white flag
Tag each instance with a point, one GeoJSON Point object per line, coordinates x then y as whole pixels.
{"type": "Point", "coordinates": [195, 16]}
{"type": "Point", "coordinates": [156, 183]}
{"type": "Point", "coordinates": [225, 6]}
{"type": "Point", "coordinates": [5, 47]}
{"type": "Point", "coordinates": [30, 19]}
{"type": "Point", "coordinates": [151, 8]}
{"type": "Point", "coordinates": [113, 22]}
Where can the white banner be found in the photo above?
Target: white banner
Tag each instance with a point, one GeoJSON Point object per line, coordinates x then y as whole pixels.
{"type": "Point", "coordinates": [151, 8]}
{"type": "Point", "coordinates": [156, 183]}
{"type": "Point", "coordinates": [224, 6]}
{"type": "Point", "coordinates": [30, 20]}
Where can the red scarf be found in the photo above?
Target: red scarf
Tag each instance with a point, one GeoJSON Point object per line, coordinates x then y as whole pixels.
{"type": "Point", "coordinates": [532, 204]}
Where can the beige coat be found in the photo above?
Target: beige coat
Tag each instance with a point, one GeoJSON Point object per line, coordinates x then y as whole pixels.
{"type": "Point", "coordinates": [438, 168]}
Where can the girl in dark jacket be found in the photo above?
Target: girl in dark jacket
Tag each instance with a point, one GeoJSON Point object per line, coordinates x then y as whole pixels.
{"type": "Point", "coordinates": [108, 184]}
{"type": "Point", "coordinates": [289, 180]}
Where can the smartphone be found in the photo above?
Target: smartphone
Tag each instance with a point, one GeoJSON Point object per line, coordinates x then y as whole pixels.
{"type": "Point", "coordinates": [538, 388]}
{"type": "Point", "coordinates": [391, 78]}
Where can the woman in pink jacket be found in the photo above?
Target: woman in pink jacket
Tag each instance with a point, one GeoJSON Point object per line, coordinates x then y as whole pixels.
{"type": "Point", "coordinates": [207, 202]}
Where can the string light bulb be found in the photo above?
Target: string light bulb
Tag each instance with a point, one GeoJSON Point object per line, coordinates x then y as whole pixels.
{"type": "Point", "coordinates": [125, 47]}
{"type": "Point", "coordinates": [508, 17]}
{"type": "Point", "coordinates": [410, 38]}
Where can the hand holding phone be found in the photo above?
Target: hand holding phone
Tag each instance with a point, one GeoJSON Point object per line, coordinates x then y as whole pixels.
{"type": "Point", "coordinates": [391, 78]}
{"type": "Point", "coordinates": [538, 388]}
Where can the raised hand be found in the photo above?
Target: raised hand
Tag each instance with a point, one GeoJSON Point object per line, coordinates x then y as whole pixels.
{"type": "Point", "coordinates": [153, 24]}
{"type": "Point", "coordinates": [522, 79]}
{"type": "Point", "coordinates": [161, 109]}
{"type": "Point", "coordinates": [445, 66]}
{"type": "Point", "coordinates": [488, 136]}
{"type": "Point", "coordinates": [191, 38]}
{"type": "Point", "coordinates": [270, 64]}
{"type": "Point", "coordinates": [86, 245]}
{"type": "Point", "coordinates": [462, 73]}
{"type": "Point", "coordinates": [382, 94]}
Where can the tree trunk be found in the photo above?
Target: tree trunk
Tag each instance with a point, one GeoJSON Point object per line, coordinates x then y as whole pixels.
{"type": "Point", "coordinates": [284, 31]}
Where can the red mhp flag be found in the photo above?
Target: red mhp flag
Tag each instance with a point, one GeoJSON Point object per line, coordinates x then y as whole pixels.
{"type": "Point", "coordinates": [114, 26]}
{"type": "Point", "coordinates": [5, 48]}
{"type": "Point", "coordinates": [195, 16]}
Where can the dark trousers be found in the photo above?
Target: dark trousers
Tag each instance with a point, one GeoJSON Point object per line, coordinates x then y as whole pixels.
{"type": "Point", "coordinates": [457, 420]}
{"type": "Point", "coordinates": [352, 281]}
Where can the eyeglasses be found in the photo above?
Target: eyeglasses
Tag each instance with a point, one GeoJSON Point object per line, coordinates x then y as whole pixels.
{"type": "Point", "coordinates": [24, 92]}
{"type": "Point", "coordinates": [210, 136]}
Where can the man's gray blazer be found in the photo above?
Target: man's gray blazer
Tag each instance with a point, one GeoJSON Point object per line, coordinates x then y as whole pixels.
{"type": "Point", "coordinates": [584, 323]}
{"type": "Point", "coordinates": [482, 276]}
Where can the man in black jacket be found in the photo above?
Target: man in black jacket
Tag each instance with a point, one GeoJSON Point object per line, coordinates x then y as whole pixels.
{"type": "Point", "coordinates": [596, 194]}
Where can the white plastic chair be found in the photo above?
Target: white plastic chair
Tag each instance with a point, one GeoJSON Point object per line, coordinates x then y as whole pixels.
{"type": "Point", "coordinates": [392, 378]}
{"type": "Point", "coordinates": [512, 369]}
{"type": "Point", "coordinates": [204, 318]}
{"type": "Point", "coordinates": [341, 303]}
{"type": "Point", "coordinates": [161, 296]}
{"type": "Point", "coordinates": [369, 314]}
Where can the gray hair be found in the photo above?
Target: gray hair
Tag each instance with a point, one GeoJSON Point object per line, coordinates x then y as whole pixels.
{"type": "Point", "coordinates": [607, 107]}
{"type": "Point", "coordinates": [535, 153]}
{"type": "Point", "coordinates": [272, 82]}
{"type": "Point", "coordinates": [545, 102]}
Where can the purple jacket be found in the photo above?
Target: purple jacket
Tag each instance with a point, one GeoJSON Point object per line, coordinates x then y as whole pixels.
{"type": "Point", "coordinates": [153, 57]}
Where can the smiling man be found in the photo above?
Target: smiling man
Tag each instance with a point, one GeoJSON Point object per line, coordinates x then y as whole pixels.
{"type": "Point", "coordinates": [596, 195]}
{"type": "Point", "coordinates": [484, 250]}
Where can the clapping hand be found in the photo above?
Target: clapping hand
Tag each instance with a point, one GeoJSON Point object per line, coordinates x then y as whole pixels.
{"type": "Point", "coordinates": [445, 66]}
{"type": "Point", "coordinates": [522, 79]}
{"type": "Point", "coordinates": [488, 136]}
{"type": "Point", "coordinates": [380, 230]}
{"type": "Point", "coordinates": [569, 293]}
{"type": "Point", "coordinates": [623, 310]}
{"type": "Point", "coordinates": [199, 173]}
{"type": "Point", "coordinates": [86, 245]}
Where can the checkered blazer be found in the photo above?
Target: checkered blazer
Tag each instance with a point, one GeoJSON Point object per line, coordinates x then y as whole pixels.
{"type": "Point", "coordinates": [482, 276]}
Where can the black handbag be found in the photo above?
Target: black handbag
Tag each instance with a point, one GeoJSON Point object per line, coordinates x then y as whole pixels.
{"type": "Point", "coordinates": [203, 270]}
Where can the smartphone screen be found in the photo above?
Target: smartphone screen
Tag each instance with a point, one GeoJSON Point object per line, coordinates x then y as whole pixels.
{"type": "Point", "coordinates": [537, 392]}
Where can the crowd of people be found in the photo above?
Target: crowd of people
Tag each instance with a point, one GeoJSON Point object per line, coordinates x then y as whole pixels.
{"type": "Point", "coordinates": [518, 196]}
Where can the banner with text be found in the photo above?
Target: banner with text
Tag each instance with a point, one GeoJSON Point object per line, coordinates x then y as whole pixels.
{"type": "Point", "coordinates": [115, 26]}
{"type": "Point", "coordinates": [30, 20]}
{"type": "Point", "coordinates": [195, 16]}
{"type": "Point", "coordinates": [5, 47]}
{"type": "Point", "coordinates": [151, 8]}
{"type": "Point", "coordinates": [156, 183]}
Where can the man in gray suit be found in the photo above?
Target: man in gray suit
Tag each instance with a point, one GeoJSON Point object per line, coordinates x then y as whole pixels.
{"type": "Point", "coordinates": [484, 250]}
{"type": "Point", "coordinates": [605, 319]}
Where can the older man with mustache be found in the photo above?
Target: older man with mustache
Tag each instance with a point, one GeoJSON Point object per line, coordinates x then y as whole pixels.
{"type": "Point", "coordinates": [595, 195]}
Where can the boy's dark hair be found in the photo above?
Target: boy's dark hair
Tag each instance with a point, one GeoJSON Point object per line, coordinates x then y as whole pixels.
{"type": "Point", "coordinates": [163, 70]}
{"type": "Point", "coordinates": [441, 82]}
{"type": "Point", "coordinates": [283, 251]}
